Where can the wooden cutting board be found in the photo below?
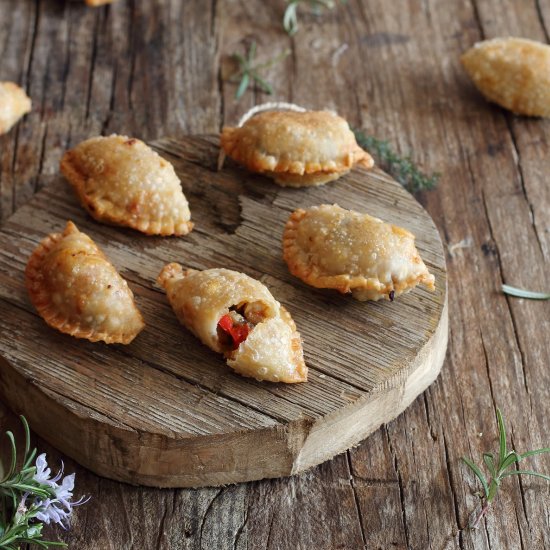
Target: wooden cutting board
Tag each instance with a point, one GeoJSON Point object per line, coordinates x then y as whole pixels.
{"type": "Point", "coordinates": [165, 410]}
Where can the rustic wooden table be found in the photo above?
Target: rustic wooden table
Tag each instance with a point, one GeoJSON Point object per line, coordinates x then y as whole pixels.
{"type": "Point", "coordinates": [156, 68]}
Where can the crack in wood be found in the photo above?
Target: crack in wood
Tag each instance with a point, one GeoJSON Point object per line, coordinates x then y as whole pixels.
{"type": "Point", "coordinates": [452, 483]}
{"type": "Point", "coordinates": [161, 532]}
{"type": "Point", "coordinates": [510, 309]}
{"type": "Point", "coordinates": [36, 185]}
{"type": "Point", "coordinates": [356, 499]}
{"type": "Point", "coordinates": [92, 66]}
{"type": "Point", "coordinates": [270, 532]}
{"type": "Point", "coordinates": [522, 493]}
{"type": "Point", "coordinates": [206, 512]}
{"type": "Point", "coordinates": [397, 471]}
{"type": "Point", "coordinates": [240, 530]}
{"type": "Point", "coordinates": [519, 166]}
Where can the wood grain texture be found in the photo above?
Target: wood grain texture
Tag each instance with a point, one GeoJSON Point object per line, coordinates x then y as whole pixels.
{"type": "Point", "coordinates": [165, 411]}
{"type": "Point", "coordinates": [392, 68]}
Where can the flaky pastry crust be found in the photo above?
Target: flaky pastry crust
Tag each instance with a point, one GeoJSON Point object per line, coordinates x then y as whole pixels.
{"type": "Point", "coordinates": [122, 181]}
{"type": "Point", "coordinates": [329, 247]}
{"type": "Point", "coordinates": [76, 290]}
{"type": "Point", "coordinates": [296, 149]}
{"type": "Point", "coordinates": [98, 2]}
{"type": "Point", "coordinates": [273, 349]}
{"type": "Point", "coordinates": [512, 72]}
{"type": "Point", "coordinates": [14, 103]}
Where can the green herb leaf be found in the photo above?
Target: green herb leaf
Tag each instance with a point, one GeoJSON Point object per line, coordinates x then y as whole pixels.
{"type": "Point", "coordinates": [489, 460]}
{"type": "Point", "coordinates": [248, 71]}
{"type": "Point", "coordinates": [521, 293]}
{"type": "Point", "coordinates": [501, 439]}
{"type": "Point", "coordinates": [403, 169]}
{"type": "Point", "coordinates": [478, 473]}
{"type": "Point", "coordinates": [263, 84]}
{"type": "Point", "coordinates": [509, 460]}
{"type": "Point", "coordinates": [535, 452]}
{"type": "Point", "coordinates": [242, 86]}
{"type": "Point", "coordinates": [13, 464]}
{"type": "Point", "coordinates": [526, 473]}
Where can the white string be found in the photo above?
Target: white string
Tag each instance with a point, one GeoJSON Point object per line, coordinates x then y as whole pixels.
{"type": "Point", "coordinates": [270, 106]}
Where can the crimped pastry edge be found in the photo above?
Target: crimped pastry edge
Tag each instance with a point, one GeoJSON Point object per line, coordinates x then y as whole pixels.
{"type": "Point", "coordinates": [345, 284]}
{"type": "Point", "coordinates": [118, 216]}
{"type": "Point", "coordinates": [40, 300]}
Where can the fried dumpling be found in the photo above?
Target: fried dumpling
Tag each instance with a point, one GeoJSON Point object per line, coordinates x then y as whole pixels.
{"type": "Point", "coordinates": [513, 72]}
{"type": "Point", "coordinates": [122, 181]}
{"type": "Point", "coordinates": [99, 2]}
{"type": "Point", "coordinates": [236, 315]}
{"type": "Point", "coordinates": [296, 149]}
{"type": "Point", "coordinates": [329, 247]}
{"type": "Point", "coordinates": [14, 103]}
{"type": "Point", "coordinates": [79, 292]}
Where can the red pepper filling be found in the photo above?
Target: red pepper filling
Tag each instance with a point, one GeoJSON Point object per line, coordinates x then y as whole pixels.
{"type": "Point", "coordinates": [237, 332]}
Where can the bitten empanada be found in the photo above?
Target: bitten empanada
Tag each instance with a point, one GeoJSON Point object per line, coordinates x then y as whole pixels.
{"type": "Point", "coordinates": [296, 149]}
{"type": "Point", "coordinates": [14, 103]}
{"type": "Point", "coordinates": [122, 181]}
{"type": "Point", "coordinates": [513, 72]}
{"type": "Point", "coordinates": [236, 315]}
{"type": "Point", "coordinates": [79, 292]}
{"type": "Point", "coordinates": [329, 247]}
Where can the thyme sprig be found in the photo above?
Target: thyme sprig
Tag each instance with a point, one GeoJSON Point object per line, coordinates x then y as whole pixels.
{"type": "Point", "coordinates": [501, 468]}
{"type": "Point", "coordinates": [522, 293]}
{"type": "Point", "coordinates": [290, 18]}
{"type": "Point", "coordinates": [248, 72]}
{"type": "Point", "coordinates": [403, 169]}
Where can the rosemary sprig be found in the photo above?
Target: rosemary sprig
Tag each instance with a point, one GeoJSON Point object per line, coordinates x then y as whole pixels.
{"type": "Point", "coordinates": [503, 467]}
{"type": "Point", "coordinates": [521, 293]}
{"type": "Point", "coordinates": [248, 72]}
{"type": "Point", "coordinates": [30, 498]}
{"type": "Point", "coordinates": [21, 497]}
{"type": "Point", "coordinates": [290, 18]}
{"type": "Point", "coordinates": [403, 169]}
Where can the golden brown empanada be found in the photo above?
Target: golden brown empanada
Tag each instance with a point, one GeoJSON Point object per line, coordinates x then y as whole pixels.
{"type": "Point", "coordinates": [513, 72]}
{"type": "Point", "coordinates": [79, 292]}
{"type": "Point", "coordinates": [296, 149]}
{"type": "Point", "coordinates": [329, 247]}
{"type": "Point", "coordinates": [236, 315]}
{"type": "Point", "coordinates": [14, 103]}
{"type": "Point", "coordinates": [98, 2]}
{"type": "Point", "coordinates": [122, 181]}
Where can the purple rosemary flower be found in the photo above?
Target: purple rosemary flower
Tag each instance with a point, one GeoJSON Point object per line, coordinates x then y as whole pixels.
{"type": "Point", "coordinates": [50, 510]}
{"type": "Point", "coordinates": [59, 508]}
{"type": "Point", "coordinates": [43, 473]}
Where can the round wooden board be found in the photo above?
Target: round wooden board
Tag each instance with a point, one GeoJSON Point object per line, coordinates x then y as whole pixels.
{"type": "Point", "coordinates": [166, 411]}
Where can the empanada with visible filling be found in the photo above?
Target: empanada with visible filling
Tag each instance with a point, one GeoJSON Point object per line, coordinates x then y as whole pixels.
{"type": "Point", "coordinates": [236, 315]}
{"type": "Point", "coordinates": [513, 72]}
{"type": "Point", "coordinates": [122, 181]}
{"type": "Point", "coordinates": [296, 149]}
{"type": "Point", "coordinates": [14, 103]}
{"type": "Point", "coordinates": [79, 292]}
{"type": "Point", "coordinates": [329, 247]}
